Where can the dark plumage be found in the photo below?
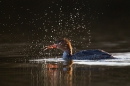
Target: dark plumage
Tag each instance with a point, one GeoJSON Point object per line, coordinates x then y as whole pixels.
{"type": "Point", "coordinates": [92, 55]}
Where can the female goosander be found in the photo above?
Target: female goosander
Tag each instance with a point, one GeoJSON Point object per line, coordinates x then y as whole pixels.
{"type": "Point", "coordinates": [65, 45]}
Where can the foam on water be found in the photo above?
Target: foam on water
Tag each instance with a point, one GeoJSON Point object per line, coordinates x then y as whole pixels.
{"type": "Point", "coordinates": [123, 59]}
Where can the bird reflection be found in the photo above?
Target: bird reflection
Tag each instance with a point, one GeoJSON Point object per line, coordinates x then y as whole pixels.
{"type": "Point", "coordinates": [59, 74]}
{"type": "Point", "coordinates": [66, 74]}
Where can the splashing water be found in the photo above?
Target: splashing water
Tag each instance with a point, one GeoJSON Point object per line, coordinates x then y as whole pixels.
{"type": "Point", "coordinates": [123, 59]}
{"type": "Point", "coordinates": [69, 22]}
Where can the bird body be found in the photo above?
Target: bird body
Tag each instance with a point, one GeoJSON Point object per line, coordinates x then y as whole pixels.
{"type": "Point", "coordinates": [65, 45]}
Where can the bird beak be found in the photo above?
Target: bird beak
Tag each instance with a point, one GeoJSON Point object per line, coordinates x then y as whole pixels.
{"type": "Point", "coordinates": [51, 46]}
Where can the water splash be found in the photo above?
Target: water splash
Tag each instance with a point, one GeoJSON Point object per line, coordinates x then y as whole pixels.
{"type": "Point", "coordinates": [123, 59]}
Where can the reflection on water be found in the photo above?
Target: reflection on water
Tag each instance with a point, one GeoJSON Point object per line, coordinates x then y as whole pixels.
{"type": "Point", "coordinates": [54, 74]}
{"type": "Point", "coordinates": [58, 76]}
{"type": "Point", "coordinates": [23, 65]}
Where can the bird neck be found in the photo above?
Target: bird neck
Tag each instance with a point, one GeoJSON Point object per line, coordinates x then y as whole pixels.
{"type": "Point", "coordinates": [67, 55]}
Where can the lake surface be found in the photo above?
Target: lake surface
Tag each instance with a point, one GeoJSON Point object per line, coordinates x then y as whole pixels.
{"type": "Point", "coordinates": [26, 27]}
{"type": "Point", "coordinates": [26, 64]}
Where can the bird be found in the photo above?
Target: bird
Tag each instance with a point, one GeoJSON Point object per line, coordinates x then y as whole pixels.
{"type": "Point", "coordinates": [64, 44]}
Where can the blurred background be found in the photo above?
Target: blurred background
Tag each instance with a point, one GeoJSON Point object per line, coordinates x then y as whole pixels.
{"type": "Point", "coordinates": [87, 23]}
{"type": "Point", "coordinates": [25, 20]}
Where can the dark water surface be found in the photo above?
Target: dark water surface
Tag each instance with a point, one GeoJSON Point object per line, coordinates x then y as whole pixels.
{"type": "Point", "coordinates": [16, 69]}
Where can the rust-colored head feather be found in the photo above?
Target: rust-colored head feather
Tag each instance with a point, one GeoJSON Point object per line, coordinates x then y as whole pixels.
{"type": "Point", "coordinates": [68, 42]}
{"type": "Point", "coordinates": [64, 44]}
